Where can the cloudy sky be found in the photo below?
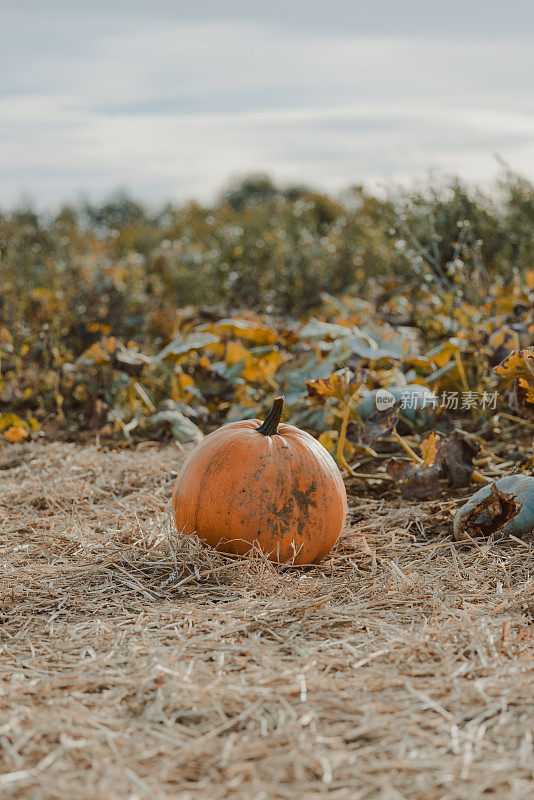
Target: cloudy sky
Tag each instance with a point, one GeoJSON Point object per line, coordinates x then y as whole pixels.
{"type": "Point", "coordinates": [170, 99]}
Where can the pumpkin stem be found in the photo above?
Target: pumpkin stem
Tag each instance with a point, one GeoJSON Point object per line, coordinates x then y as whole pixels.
{"type": "Point", "coordinates": [270, 426]}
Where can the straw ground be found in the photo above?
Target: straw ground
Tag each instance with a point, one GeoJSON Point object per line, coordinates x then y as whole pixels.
{"type": "Point", "coordinates": [138, 664]}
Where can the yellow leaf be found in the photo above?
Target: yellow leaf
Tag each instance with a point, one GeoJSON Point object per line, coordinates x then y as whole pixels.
{"type": "Point", "coordinates": [247, 329]}
{"type": "Point", "coordinates": [254, 369]}
{"type": "Point", "coordinates": [10, 419]}
{"type": "Point", "coordinates": [506, 297]}
{"type": "Point", "coordinates": [329, 440]}
{"type": "Point", "coordinates": [236, 352]}
{"type": "Point", "coordinates": [6, 341]}
{"type": "Point", "coordinates": [342, 385]}
{"type": "Point", "coordinates": [504, 338]}
{"type": "Point", "coordinates": [180, 386]}
{"type": "Point", "coordinates": [442, 354]}
{"type": "Point", "coordinates": [262, 368]}
{"type": "Point", "coordinates": [185, 380]}
{"type": "Point", "coordinates": [519, 364]}
{"type": "Point", "coordinates": [429, 448]}
{"type": "Point", "coordinates": [269, 364]}
{"type": "Point", "coordinates": [217, 349]}
{"type": "Point", "coordinates": [100, 352]}
{"type": "Point", "coordinates": [242, 397]}
{"type": "Point", "coordinates": [419, 362]}
{"type": "Point", "coordinates": [528, 391]}
{"type": "Point", "coordinates": [39, 293]}
{"type": "Point", "coordinates": [184, 384]}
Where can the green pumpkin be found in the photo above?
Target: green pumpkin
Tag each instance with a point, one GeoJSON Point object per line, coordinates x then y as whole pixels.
{"type": "Point", "coordinates": [509, 510]}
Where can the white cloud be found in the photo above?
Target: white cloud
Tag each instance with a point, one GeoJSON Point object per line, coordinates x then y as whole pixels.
{"type": "Point", "coordinates": [175, 109]}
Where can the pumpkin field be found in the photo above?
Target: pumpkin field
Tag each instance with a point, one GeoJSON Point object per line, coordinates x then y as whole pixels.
{"type": "Point", "coordinates": [391, 660]}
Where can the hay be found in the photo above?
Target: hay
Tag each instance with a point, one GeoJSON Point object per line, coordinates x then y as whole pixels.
{"type": "Point", "coordinates": [135, 664]}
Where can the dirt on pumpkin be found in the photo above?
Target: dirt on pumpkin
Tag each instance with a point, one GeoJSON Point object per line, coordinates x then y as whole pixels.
{"type": "Point", "coordinates": [135, 663]}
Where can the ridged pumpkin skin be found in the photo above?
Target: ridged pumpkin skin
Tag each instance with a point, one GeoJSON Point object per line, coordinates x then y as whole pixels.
{"type": "Point", "coordinates": [282, 491]}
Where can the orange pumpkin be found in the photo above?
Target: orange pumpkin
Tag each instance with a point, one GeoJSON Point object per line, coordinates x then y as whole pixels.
{"type": "Point", "coordinates": [267, 484]}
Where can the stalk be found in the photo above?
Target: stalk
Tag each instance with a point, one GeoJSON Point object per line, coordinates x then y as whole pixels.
{"type": "Point", "coordinates": [270, 426]}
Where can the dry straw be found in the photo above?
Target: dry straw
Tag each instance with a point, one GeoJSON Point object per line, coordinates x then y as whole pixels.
{"type": "Point", "coordinates": [138, 664]}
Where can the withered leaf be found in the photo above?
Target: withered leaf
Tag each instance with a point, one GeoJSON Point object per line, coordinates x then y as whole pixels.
{"type": "Point", "coordinates": [416, 482]}
{"type": "Point", "coordinates": [254, 331]}
{"type": "Point", "coordinates": [380, 423]}
{"type": "Point", "coordinates": [455, 456]}
{"type": "Point", "coordinates": [501, 343]}
{"type": "Point", "coordinates": [519, 364]}
{"type": "Point", "coordinates": [521, 398]}
{"type": "Point", "coordinates": [519, 367]}
{"type": "Point", "coordinates": [100, 352]}
{"type": "Point", "coordinates": [449, 459]}
{"type": "Point", "coordinates": [430, 446]}
{"type": "Point", "coordinates": [341, 385]}
{"type": "Point", "coordinates": [128, 360]}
